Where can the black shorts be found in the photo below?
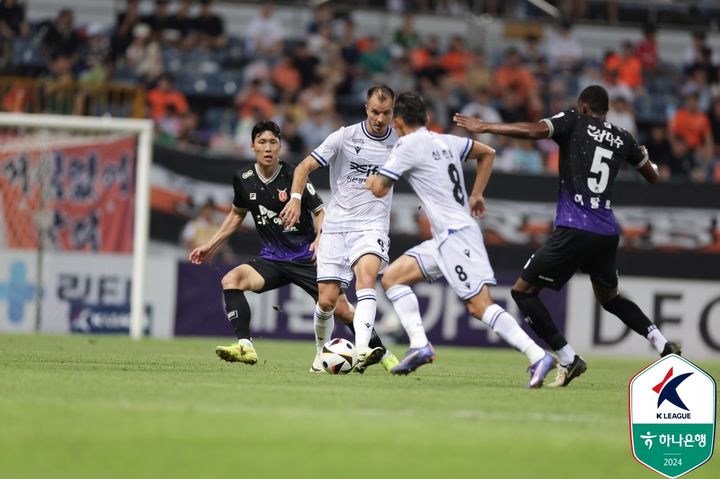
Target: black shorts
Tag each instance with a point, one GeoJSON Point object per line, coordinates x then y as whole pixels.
{"type": "Point", "coordinates": [566, 251]}
{"type": "Point", "coordinates": [280, 273]}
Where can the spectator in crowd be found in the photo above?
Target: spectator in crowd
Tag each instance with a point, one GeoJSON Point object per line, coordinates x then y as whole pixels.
{"type": "Point", "coordinates": [306, 64]}
{"type": "Point", "coordinates": [165, 95]}
{"type": "Point", "coordinates": [57, 87]}
{"type": "Point", "coordinates": [621, 114]}
{"type": "Point", "coordinates": [455, 60]}
{"type": "Point", "coordinates": [323, 16]}
{"type": "Point", "coordinates": [520, 157]}
{"type": "Point", "coordinates": [691, 127]}
{"type": "Point", "coordinates": [694, 51]}
{"type": "Point", "coordinates": [625, 67]}
{"type": "Point", "coordinates": [481, 107]}
{"type": "Point", "coordinates": [714, 117]}
{"type": "Point", "coordinates": [264, 34]}
{"type": "Point", "coordinates": [513, 74]}
{"type": "Point", "coordinates": [181, 22]}
{"type": "Point", "coordinates": [59, 38]}
{"type": "Point", "coordinates": [375, 59]}
{"type": "Point", "coordinates": [12, 20]}
{"type": "Point", "coordinates": [317, 97]}
{"type": "Point", "coordinates": [251, 98]}
{"type": "Point", "coordinates": [697, 82]}
{"type": "Point", "coordinates": [143, 54]}
{"type": "Point", "coordinates": [564, 49]}
{"type": "Point", "coordinates": [534, 57]}
{"type": "Point", "coordinates": [159, 20]}
{"type": "Point", "coordinates": [200, 229]}
{"type": "Point", "coordinates": [663, 154]}
{"type": "Point", "coordinates": [705, 62]}
{"type": "Point", "coordinates": [406, 37]}
{"type": "Point", "coordinates": [209, 27]}
{"type": "Point", "coordinates": [478, 73]}
{"type": "Point", "coordinates": [125, 22]}
{"type": "Point", "coordinates": [420, 56]}
{"type": "Point", "coordinates": [294, 142]}
{"type": "Point", "coordinates": [400, 76]}
{"type": "Point", "coordinates": [286, 78]}
{"type": "Point", "coordinates": [647, 50]}
{"type": "Point", "coordinates": [316, 127]}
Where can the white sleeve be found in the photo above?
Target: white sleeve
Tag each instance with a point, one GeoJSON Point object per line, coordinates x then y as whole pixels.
{"type": "Point", "coordinates": [461, 147]}
{"type": "Point", "coordinates": [330, 148]}
{"type": "Point", "coordinates": [399, 162]}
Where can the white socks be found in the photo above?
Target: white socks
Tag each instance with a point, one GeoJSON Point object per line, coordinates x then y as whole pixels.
{"type": "Point", "coordinates": [364, 318]}
{"type": "Point", "coordinates": [657, 339]}
{"type": "Point", "coordinates": [324, 323]}
{"type": "Point", "coordinates": [566, 354]}
{"type": "Point", "coordinates": [407, 309]}
{"type": "Point", "coordinates": [508, 329]}
{"type": "Point", "coordinates": [245, 342]}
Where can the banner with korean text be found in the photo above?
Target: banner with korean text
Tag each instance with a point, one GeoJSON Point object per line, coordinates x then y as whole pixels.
{"type": "Point", "coordinates": [78, 190]}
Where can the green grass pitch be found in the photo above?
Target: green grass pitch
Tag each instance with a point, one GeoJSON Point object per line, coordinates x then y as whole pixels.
{"type": "Point", "coordinates": [107, 407]}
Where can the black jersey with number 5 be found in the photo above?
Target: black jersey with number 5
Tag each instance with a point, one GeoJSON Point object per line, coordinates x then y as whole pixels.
{"type": "Point", "coordinates": [591, 154]}
{"type": "Point", "coordinates": [265, 198]}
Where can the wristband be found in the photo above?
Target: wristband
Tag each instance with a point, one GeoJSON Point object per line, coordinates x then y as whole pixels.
{"type": "Point", "coordinates": [296, 196]}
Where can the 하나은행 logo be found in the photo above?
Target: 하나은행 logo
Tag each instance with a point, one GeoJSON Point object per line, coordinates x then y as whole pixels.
{"type": "Point", "coordinates": [672, 408]}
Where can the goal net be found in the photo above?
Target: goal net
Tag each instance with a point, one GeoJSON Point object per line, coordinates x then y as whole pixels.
{"type": "Point", "coordinates": [73, 223]}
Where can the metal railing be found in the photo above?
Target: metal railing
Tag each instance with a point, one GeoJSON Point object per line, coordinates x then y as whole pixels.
{"type": "Point", "coordinates": [31, 95]}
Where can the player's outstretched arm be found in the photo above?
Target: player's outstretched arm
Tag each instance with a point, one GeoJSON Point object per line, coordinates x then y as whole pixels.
{"type": "Point", "coordinates": [649, 170]}
{"type": "Point", "coordinates": [485, 156]}
{"type": "Point", "coordinates": [231, 223]}
{"type": "Point", "coordinates": [290, 214]}
{"type": "Point", "coordinates": [379, 185]}
{"type": "Point", "coordinates": [524, 130]}
{"type": "Point", "coordinates": [319, 218]}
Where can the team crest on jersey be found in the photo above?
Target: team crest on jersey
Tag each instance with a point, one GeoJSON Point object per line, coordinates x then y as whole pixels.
{"type": "Point", "coordinates": [253, 196]}
{"type": "Point", "coordinates": [282, 195]}
{"type": "Point", "coordinates": [247, 174]}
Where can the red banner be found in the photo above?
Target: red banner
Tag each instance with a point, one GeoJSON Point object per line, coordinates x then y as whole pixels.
{"type": "Point", "coordinates": [81, 190]}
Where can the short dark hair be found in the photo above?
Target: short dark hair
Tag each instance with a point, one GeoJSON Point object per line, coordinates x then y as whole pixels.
{"type": "Point", "coordinates": [411, 108]}
{"type": "Point", "coordinates": [262, 126]}
{"type": "Point", "coordinates": [596, 98]}
{"type": "Point", "coordinates": [382, 91]}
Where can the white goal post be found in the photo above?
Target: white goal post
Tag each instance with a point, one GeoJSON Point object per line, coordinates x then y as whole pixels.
{"type": "Point", "coordinates": [144, 130]}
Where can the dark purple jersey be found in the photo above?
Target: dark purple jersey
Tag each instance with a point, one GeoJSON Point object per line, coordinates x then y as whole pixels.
{"type": "Point", "coordinates": [265, 198]}
{"type": "Point", "coordinates": [591, 154]}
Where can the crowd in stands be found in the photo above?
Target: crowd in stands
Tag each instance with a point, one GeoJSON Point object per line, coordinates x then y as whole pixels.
{"type": "Point", "coordinates": [206, 89]}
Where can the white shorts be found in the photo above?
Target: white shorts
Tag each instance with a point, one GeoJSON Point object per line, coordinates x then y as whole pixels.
{"type": "Point", "coordinates": [464, 262]}
{"type": "Point", "coordinates": [427, 256]}
{"type": "Point", "coordinates": [338, 252]}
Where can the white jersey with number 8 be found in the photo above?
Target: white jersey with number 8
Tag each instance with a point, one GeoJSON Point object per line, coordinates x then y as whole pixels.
{"type": "Point", "coordinates": [432, 164]}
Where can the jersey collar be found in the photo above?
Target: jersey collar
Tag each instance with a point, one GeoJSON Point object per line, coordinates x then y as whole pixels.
{"type": "Point", "coordinates": [374, 137]}
{"type": "Point", "coordinates": [272, 178]}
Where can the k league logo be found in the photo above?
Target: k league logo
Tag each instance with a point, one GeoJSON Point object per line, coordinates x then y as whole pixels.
{"type": "Point", "coordinates": [672, 405]}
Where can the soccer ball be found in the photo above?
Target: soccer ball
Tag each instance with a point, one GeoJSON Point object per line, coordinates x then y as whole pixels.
{"type": "Point", "coordinates": [338, 356]}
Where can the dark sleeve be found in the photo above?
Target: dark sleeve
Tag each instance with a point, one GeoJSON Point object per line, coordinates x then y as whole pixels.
{"type": "Point", "coordinates": [637, 155]}
{"type": "Point", "coordinates": [239, 199]}
{"type": "Point", "coordinates": [311, 200]}
{"type": "Point", "coordinates": [561, 124]}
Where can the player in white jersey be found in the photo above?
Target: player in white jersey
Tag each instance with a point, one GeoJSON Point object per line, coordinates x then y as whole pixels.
{"type": "Point", "coordinates": [354, 237]}
{"type": "Point", "coordinates": [432, 164]}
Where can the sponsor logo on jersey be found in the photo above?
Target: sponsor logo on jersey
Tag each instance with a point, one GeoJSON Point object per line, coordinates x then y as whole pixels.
{"type": "Point", "coordinates": [253, 196]}
{"type": "Point", "coordinates": [363, 169]}
{"type": "Point", "coordinates": [606, 136]}
{"type": "Point", "coordinates": [282, 195]}
{"type": "Point", "coordinates": [357, 150]}
{"type": "Point", "coordinates": [247, 174]}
